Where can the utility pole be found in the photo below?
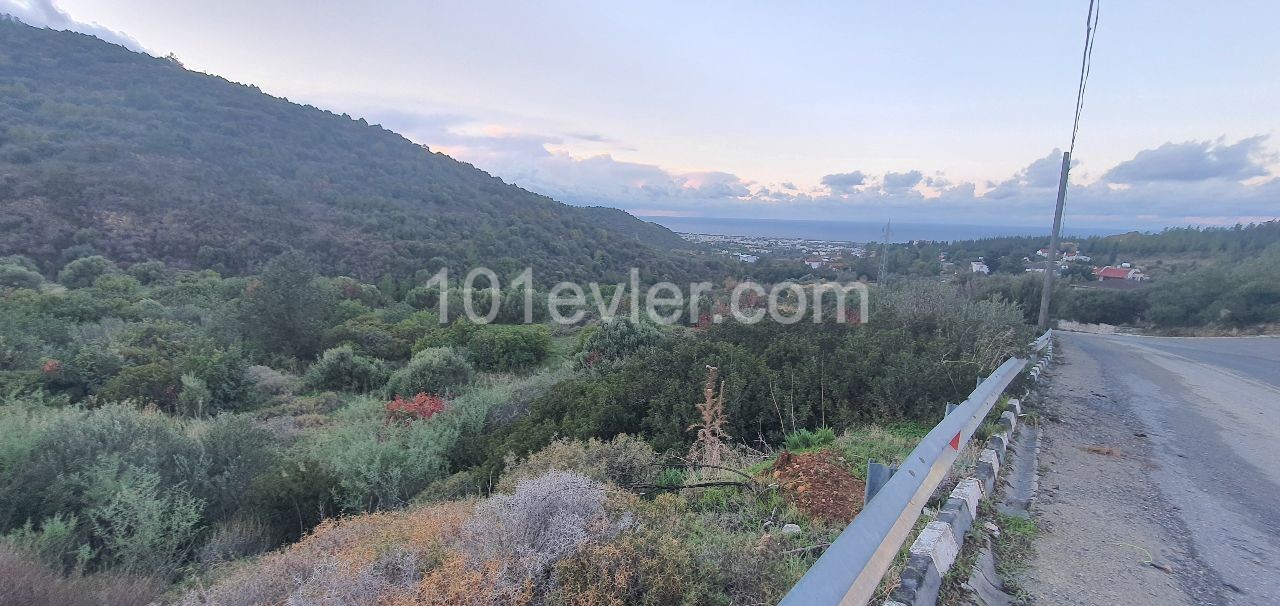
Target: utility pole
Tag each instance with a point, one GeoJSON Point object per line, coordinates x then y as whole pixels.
{"type": "Point", "coordinates": [1050, 270]}
{"type": "Point", "coordinates": [1052, 267]}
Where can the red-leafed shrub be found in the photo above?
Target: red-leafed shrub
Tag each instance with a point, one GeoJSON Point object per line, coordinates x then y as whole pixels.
{"type": "Point", "coordinates": [51, 367]}
{"type": "Point", "coordinates": [421, 406]}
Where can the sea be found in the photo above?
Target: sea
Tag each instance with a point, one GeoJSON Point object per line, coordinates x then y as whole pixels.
{"type": "Point", "coordinates": [856, 231]}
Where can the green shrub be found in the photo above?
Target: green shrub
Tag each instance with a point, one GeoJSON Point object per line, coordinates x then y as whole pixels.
{"type": "Point", "coordinates": [194, 399]}
{"type": "Point", "coordinates": [376, 465]}
{"type": "Point", "coordinates": [456, 334]}
{"type": "Point", "coordinates": [81, 273]}
{"type": "Point", "coordinates": [55, 543]}
{"type": "Point", "coordinates": [341, 369]}
{"type": "Point", "coordinates": [616, 338]}
{"type": "Point", "coordinates": [155, 383]}
{"type": "Point", "coordinates": [13, 276]}
{"type": "Point", "coordinates": [370, 336]}
{"type": "Point", "coordinates": [1094, 306]}
{"type": "Point", "coordinates": [508, 348]}
{"type": "Point", "coordinates": [235, 451]}
{"type": "Point", "coordinates": [117, 286]}
{"type": "Point", "coordinates": [147, 272]}
{"type": "Point", "coordinates": [287, 308]}
{"type": "Point", "coordinates": [437, 370]}
{"type": "Point", "coordinates": [146, 528]}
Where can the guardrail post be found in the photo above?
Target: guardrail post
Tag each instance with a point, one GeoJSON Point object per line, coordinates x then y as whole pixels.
{"type": "Point", "coordinates": [877, 476]}
{"type": "Point", "coordinates": [951, 406]}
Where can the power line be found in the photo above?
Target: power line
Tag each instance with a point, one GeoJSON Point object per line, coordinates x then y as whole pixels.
{"type": "Point", "coordinates": [1086, 64]}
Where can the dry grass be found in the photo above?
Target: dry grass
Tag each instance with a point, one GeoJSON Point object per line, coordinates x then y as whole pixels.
{"type": "Point", "coordinates": [1105, 451]}
{"type": "Point", "coordinates": [365, 559]}
{"type": "Point", "coordinates": [712, 438]}
{"type": "Point", "coordinates": [24, 582]}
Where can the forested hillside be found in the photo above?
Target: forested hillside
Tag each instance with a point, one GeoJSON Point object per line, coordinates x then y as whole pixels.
{"type": "Point", "coordinates": [106, 151]}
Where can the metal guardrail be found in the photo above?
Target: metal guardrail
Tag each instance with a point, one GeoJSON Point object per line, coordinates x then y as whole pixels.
{"type": "Point", "coordinates": [851, 568]}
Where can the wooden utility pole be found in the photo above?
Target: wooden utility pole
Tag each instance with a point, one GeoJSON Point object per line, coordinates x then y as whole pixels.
{"type": "Point", "coordinates": [1052, 267]}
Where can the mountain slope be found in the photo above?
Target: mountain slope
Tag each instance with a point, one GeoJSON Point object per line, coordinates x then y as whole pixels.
{"type": "Point", "coordinates": [140, 159]}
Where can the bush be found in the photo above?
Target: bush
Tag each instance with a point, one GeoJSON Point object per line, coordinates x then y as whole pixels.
{"type": "Point", "coordinates": [13, 276]}
{"type": "Point", "coordinates": [370, 336]}
{"type": "Point", "coordinates": [527, 532]}
{"type": "Point", "coordinates": [81, 273]}
{"type": "Point", "coordinates": [1093, 306]}
{"type": "Point", "coordinates": [287, 308]}
{"type": "Point", "coordinates": [234, 539]}
{"type": "Point", "coordinates": [615, 339]}
{"type": "Point", "coordinates": [156, 383]}
{"type": "Point", "coordinates": [56, 543]}
{"type": "Point", "coordinates": [342, 369]}
{"type": "Point", "coordinates": [437, 370]}
{"type": "Point", "coordinates": [194, 399]}
{"type": "Point", "coordinates": [379, 465]}
{"type": "Point", "coordinates": [235, 450]}
{"type": "Point", "coordinates": [146, 528]}
{"type": "Point", "coordinates": [373, 559]}
{"type": "Point", "coordinates": [625, 461]}
{"type": "Point", "coordinates": [270, 382]}
{"type": "Point", "coordinates": [508, 348]}
{"type": "Point", "coordinates": [147, 272]}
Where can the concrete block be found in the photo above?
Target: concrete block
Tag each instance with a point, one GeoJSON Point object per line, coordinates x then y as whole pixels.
{"type": "Point", "coordinates": [919, 583]}
{"type": "Point", "coordinates": [996, 443]}
{"type": "Point", "coordinates": [969, 490]}
{"type": "Point", "coordinates": [937, 541]}
{"type": "Point", "coordinates": [956, 514]}
{"type": "Point", "coordinates": [1016, 405]}
{"type": "Point", "coordinates": [989, 456]}
{"type": "Point", "coordinates": [1012, 417]}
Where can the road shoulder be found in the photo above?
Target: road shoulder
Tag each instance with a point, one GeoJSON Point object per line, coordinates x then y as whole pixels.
{"type": "Point", "coordinates": [1102, 518]}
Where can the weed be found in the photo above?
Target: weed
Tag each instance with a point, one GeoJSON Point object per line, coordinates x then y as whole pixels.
{"type": "Point", "coordinates": [803, 439]}
{"type": "Point", "coordinates": [1013, 547]}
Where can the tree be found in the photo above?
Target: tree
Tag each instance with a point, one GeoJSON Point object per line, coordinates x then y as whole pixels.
{"type": "Point", "coordinates": [14, 276]}
{"type": "Point", "coordinates": [82, 272]}
{"type": "Point", "coordinates": [287, 309]}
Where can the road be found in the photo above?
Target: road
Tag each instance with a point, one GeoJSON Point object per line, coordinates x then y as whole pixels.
{"type": "Point", "coordinates": [1160, 446]}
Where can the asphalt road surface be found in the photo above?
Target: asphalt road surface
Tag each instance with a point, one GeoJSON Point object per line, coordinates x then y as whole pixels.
{"type": "Point", "coordinates": [1159, 450]}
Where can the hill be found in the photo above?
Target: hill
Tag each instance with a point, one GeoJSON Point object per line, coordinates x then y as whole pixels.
{"type": "Point", "coordinates": [113, 152]}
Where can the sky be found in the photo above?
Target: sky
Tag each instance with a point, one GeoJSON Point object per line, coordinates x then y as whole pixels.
{"type": "Point", "coordinates": [927, 112]}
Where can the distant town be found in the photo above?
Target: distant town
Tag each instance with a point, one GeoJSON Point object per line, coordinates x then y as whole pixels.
{"type": "Point", "coordinates": [840, 256]}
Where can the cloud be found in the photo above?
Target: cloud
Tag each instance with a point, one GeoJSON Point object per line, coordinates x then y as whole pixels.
{"type": "Point", "coordinates": [540, 163]}
{"type": "Point", "coordinates": [902, 181]}
{"type": "Point", "coordinates": [843, 183]}
{"type": "Point", "coordinates": [45, 13]}
{"type": "Point", "coordinates": [1194, 161]}
{"type": "Point", "coordinates": [1043, 173]}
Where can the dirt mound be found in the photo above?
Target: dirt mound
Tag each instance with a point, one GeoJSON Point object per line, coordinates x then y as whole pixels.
{"type": "Point", "coordinates": [819, 484]}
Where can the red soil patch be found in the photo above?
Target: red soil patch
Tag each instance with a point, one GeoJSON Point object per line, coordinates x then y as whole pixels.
{"type": "Point", "coordinates": [819, 484]}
